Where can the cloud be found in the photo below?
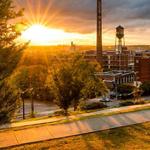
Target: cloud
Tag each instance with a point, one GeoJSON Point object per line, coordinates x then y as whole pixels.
{"type": "Point", "coordinates": [80, 15]}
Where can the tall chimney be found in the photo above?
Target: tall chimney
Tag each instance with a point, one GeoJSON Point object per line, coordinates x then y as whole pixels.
{"type": "Point", "coordinates": [99, 32]}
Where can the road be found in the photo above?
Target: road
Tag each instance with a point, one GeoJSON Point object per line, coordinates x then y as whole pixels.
{"type": "Point", "coordinates": [44, 108]}
{"type": "Point", "coordinates": [114, 102]}
{"type": "Point", "coordinates": [41, 108]}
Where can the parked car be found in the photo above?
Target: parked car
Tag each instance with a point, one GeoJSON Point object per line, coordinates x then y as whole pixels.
{"type": "Point", "coordinates": [112, 95]}
{"type": "Point", "coordinates": [105, 99]}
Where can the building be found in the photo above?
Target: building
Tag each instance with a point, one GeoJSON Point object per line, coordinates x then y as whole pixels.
{"type": "Point", "coordinates": [142, 65]}
{"type": "Point", "coordinates": [118, 59]}
{"type": "Point", "coordinates": [115, 78]}
{"type": "Point", "coordinates": [113, 60]}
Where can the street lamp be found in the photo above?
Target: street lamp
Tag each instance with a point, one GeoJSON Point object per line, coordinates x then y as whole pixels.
{"type": "Point", "coordinates": [32, 102]}
{"type": "Point", "coordinates": [115, 86]}
{"type": "Point", "coordinates": [23, 105]}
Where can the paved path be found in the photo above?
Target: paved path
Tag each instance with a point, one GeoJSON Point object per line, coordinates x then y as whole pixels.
{"type": "Point", "coordinates": [47, 132]}
{"type": "Point", "coordinates": [56, 119]}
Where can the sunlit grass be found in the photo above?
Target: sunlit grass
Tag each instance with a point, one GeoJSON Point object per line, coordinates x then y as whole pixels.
{"type": "Point", "coordinates": [124, 138]}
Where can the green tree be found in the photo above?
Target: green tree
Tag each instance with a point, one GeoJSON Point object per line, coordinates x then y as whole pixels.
{"type": "Point", "coordinates": [145, 87]}
{"type": "Point", "coordinates": [31, 77]}
{"type": "Point", "coordinates": [10, 54]}
{"type": "Point", "coordinates": [73, 80]}
{"type": "Point", "coordinates": [126, 91]}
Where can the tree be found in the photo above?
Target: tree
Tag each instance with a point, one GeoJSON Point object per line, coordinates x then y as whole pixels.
{"type": "Point", "coordinates": [137, 92]}
{"type": "Point", "coordinates": [73, 80]}
{"type": "Point", "coordinates": [88, 84]}
{"type": "Point", "coordinates": [31, 76]}
{"type": "Point", "coordinates": [10, 54]}
{"type": "Point", "coordinates": [62, 86]}
{"type": "Point", "coordinates": [145, 87]}
{"type": "Point", "coordinates": [126, 90]}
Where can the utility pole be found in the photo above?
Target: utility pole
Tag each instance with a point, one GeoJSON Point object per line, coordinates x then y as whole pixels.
{"type": "Point", "coordinates": [23, 109]}
{"type": "Point", "coordinates": [99, 32]}
{"type": "Point", "coordinates": [31, 88]}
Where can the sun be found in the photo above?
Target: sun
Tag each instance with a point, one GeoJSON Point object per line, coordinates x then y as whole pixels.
{"type": "Point", "coordinates": [37, 34]}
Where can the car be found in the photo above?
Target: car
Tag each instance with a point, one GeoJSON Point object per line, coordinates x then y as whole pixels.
{"type": "Point", "coordinates": [105, 99]}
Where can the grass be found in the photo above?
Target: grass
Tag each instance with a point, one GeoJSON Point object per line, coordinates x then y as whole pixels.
{"type": "Point", "coordinates": [76, 118]}
{"type": "Point", "coordinates": [100, 115]}
{"type": "Point", "coordinates": [135, 137]}
{"type": "Point", "coordinates": [80, 112]}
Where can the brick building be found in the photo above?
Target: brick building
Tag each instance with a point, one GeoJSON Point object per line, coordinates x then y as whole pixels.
{"type": "Point", "coordinates": [142, 67]}
{"type": "Point", "coordinates": [113, 60]}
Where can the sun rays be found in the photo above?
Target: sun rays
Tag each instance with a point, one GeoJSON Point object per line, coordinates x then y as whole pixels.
{"type": "Point", "coordinates": [42, 26]}
{"type": "Point", "coordinates": [37, 12]}
{"type": "Point", "coordinates": [39, 34]}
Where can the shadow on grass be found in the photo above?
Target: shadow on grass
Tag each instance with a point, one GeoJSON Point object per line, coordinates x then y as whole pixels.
{"type": "Point", "coordinates": [111, 139]}
{"type": "Point", "coordinates": [114, 138]}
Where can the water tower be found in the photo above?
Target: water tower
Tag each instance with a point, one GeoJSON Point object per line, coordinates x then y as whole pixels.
{"type": "Point", "coordinates": [120, 40]}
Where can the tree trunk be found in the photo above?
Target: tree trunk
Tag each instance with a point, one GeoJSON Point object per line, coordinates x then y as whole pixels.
{"type": "Point", "coordinates": [66, 112]}
{"type": "Point", "coordinates": [75, 107]}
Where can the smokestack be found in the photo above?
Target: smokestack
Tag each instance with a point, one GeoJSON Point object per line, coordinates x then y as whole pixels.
{"type": "Point", "coordinates": [99, 32]}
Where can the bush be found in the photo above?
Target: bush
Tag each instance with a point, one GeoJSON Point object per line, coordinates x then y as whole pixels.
{"type": "Point", "coordinates": [4, 118]}
{"type": "Point", "coordinates": [126, 97]}
{"type": "Point", "coordinates": [140, 102]}
{"type": "Point", "coordinates": [60, 113]}
{"type": "Point", "coordinates": [145, 87]}
{"type": "Point", "coordinates": [127, 103]}
{"type": "Point", "coordinates": [96, 105]}
{"type": "Point", "coordinates": [125, 89]}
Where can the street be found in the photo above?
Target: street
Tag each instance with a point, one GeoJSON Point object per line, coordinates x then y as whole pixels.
{"type": "Point", "coordinates": [44, 108]}
{"type": "Point", "coordinates": [41, 108]}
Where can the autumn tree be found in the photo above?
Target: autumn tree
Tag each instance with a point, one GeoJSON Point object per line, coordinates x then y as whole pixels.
{"type": "Point", "coordinates": [10, 53]}
{"type": "Point", "coordinates": [75, 79]}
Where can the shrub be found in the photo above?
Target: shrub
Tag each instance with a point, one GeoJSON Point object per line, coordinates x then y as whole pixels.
{"type": "Point", "coordinates": [96, 105]}
{"type": "Point", "coordinates": [4, 118]}
{"type": "Point", "coordinates": [129, 103]}
{"type": "Point", "coordinates": [140, 102]}
{"type": "Point", "coordinates": [59, 113]}
{"type": "Point", "coordinates": [145, 87]}
{"type": "Point", "coordinates": [126, 103]}
{"type": "Point", "coordinates": [126, 91]}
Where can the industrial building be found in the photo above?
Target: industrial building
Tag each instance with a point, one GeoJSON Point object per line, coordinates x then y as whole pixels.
{"type": "Point", "coordinates": [119, 59]}
{"type": "Point", "coordinates": [116, 77]}
{"type": "Point", "coordinates": [118, 64]}
{"type": "Point", "coordinates": [142, 65]}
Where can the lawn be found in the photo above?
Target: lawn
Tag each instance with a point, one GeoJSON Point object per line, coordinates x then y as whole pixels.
{"type": "Point", "coordinates": [135, 137]}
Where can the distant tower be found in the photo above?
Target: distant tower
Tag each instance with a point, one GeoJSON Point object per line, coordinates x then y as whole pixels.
{"type": "Point", "coordinates": [120, 40]}
{"type": "Point", "coordinates": [99, 32]}
{"type": "Point", "coordinates": [73, 47]}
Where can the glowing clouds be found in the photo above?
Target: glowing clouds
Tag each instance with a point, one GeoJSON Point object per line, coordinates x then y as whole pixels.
{"type": "Point", "coordinates": [41, 35]}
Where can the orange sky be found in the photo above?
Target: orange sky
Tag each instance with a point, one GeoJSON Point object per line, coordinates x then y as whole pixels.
{"type": "Point", "coordinates": [66, 21]}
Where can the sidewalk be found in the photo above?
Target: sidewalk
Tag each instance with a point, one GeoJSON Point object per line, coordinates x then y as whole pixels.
{"type": "Point", "coordinates": [48, 132]}
{"type": "Point", "coordinates": [57, 119]}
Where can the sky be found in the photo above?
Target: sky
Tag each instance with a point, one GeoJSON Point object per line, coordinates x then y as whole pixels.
{"type": "Point", "coordinates": [78, 17]}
